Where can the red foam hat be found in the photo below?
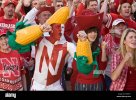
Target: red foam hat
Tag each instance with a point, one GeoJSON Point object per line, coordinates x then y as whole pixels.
{"type": "Point", "coordinates": [86, 21]}
{"type": "Point", "coordinates": [50, 9]}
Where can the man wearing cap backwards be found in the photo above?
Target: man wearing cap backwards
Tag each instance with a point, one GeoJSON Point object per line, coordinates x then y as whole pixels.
{"type": "Point", "coordinates": [110, 44]}
{"type": "Point", "coordinates": [12, 76]}
{"type": "Point", "coordinates": [124, 10]}
{"type": "Point", "coordinates": [8, 21]}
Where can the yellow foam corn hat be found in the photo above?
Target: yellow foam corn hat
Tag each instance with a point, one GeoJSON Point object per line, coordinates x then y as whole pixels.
{"type": "Point", "coordinates": [84, 49]}
{"type": "Point", "coordinates": [32, 33]}
{"type": "Point", "coordinates": [60, 17]}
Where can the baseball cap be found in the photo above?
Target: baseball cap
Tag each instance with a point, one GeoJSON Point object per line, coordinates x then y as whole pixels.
{"type": "Point", "coordinates": [7, 2]}
{"type": "Point", "coordinates": [117, 21]}
{"type": "Point", "coordinates": [3, 32]}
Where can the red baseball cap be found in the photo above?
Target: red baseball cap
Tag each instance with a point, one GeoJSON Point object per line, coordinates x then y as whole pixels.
{"type": "Point", "coordinates": [7, 2]}
{"type": "Point", "coordinates": [3, 32]}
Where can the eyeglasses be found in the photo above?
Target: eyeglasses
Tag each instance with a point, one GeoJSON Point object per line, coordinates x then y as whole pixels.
{"type": "Point", "coordinates": [59, 5]}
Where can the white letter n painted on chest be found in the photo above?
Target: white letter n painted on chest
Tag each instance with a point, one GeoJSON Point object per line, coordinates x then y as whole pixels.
{"type": "Point", "coordinates": [52, 70]}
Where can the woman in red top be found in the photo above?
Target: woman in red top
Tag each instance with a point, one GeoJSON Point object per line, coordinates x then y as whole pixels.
{"type": "Point", "coordinates": [123, 66]}
{"type": "Point", "coordinates": [12, 76]}
{"type": "Point", "coordinates": [91, 81]}
{"type": "Point", "coordinates": [90, 76]}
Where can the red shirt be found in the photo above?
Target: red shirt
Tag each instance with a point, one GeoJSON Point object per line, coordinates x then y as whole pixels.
{"type": "Point", "coordinates": [131, 80]}
{"type": "Point", "coordinates": [8, 24]}
{"type": "Point", "coordinates": [119, 84]}
{"type": "Point", "coordinates": [10, 67]}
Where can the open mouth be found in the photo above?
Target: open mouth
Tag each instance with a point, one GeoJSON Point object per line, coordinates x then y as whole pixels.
{"type": "Point", "coordinates": [127, 12]}
{"type": "Point", "coordinates": [5, 44]}
{"type": "Point", "coordinates": [133, 43]}
{"type": "Point", "coordinates": [60, 34]}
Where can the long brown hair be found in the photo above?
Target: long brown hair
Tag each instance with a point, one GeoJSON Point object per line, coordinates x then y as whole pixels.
{"type": "Point", "coordinates": [96, 42]}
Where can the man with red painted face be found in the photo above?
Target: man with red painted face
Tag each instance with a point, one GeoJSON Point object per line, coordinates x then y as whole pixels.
{"type": "Point", "coordinates": [50, 57]}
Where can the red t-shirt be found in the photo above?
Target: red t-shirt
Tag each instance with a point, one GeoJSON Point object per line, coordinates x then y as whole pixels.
{"type": "Point", "coordinates": [11, 68]}
{"type": "Point", "coordinates": [8, 24]}
{"type": "Point", "coordinates": [131, 80]}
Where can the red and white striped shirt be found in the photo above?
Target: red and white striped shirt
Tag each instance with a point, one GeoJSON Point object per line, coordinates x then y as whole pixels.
{"type": "Point", "coordinates": [111, 47]}
{"type": "Point", "coordinates": [50, 60]}
{"type": "Point", "coordinates": [119, 84]}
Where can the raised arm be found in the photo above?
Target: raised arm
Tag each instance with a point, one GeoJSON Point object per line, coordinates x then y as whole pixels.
{"type": "Point", "coordinates": [31, 15]}
{"type": "Point", "coordinates": [117, 69]}
{"type": "Point", "coordinates": [104, 9]}
{"type": "Point", "coordinates": [18, 8]}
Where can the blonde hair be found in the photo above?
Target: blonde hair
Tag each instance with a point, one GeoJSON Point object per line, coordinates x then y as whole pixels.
{"type": "Point", "coordinates": [122, 46]}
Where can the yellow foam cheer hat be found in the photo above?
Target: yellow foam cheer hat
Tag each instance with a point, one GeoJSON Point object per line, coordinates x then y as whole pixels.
{"type": "Point", "coordinates": [59, 17]}
{"type": "Point", "coordinates": [30, 34]}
